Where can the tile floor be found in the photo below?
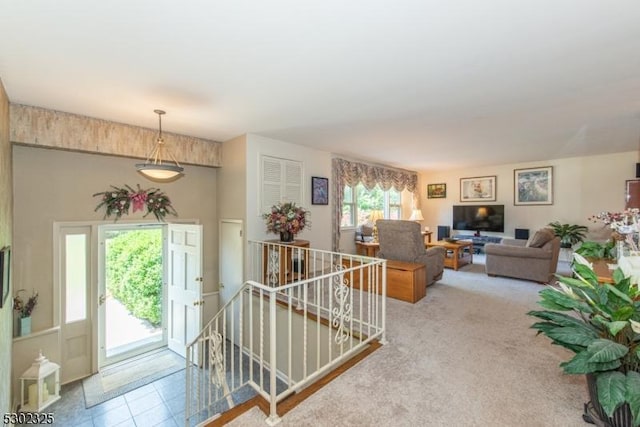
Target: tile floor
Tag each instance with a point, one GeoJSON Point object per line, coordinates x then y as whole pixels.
{"type": "Point", "coordinates": [160, 403]}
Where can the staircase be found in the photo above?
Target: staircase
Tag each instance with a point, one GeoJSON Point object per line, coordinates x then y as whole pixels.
{"type": "Point", "coordinates": [299, 316]}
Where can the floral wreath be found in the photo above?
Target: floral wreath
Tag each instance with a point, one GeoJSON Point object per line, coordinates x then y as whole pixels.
{"type": "Point", "coordinates": [119, 200]}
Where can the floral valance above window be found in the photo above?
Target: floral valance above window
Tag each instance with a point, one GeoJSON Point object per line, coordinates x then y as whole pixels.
{"type": "Point", "coordinates": [351, 173]}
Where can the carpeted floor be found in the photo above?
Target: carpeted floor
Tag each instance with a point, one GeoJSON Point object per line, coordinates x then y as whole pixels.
{"type": "Point", "coordinates": [462, 356]}
{"type": "Point", "coordinates": [119, 379]}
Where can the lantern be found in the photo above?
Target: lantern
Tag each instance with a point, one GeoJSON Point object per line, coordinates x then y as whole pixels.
{"type": "Point", "coordinates": [39, 385]}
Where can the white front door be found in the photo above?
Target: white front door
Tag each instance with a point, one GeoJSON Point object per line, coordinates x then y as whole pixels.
{"type": "Point", "coordinates": [184, 274]}
{"type": "Point", "coordinates": [130, 262]}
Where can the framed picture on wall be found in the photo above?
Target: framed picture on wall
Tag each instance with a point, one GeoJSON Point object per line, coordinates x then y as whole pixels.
{"type": "Point", "coordinates": [5, 263]}
{"type": "Point", "coordinates": [437, 191]}
{"type": "Point", "coordinates": [478, 189]}
{"type": "Point", "coordinates": [319, 190]}
{"type": "Point", "coordinates": [533, 186]}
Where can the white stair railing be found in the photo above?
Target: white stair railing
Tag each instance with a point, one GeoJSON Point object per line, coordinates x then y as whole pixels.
{"type": "Point", "coordinates": [301, 313]}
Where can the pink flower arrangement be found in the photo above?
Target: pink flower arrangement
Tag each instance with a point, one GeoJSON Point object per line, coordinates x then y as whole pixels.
{"type": "Point", "coordinates": [118, 201]}
{"type": "Point", "coordinates": [286, 217]}
{"type": "Point", "coordinates": [623, 222]}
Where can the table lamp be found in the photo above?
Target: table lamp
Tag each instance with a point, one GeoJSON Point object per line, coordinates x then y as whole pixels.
{"type": "Point", "coordinates": [416, 215]}
{"type": "Point", "coordinates": [375, 216]}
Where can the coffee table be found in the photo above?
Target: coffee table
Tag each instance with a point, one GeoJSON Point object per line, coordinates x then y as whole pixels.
{"type": "Point", "coordinates": [456, 256]}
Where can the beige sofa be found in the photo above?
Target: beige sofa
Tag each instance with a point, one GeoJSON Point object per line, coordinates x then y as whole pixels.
{"type": "Point", "coordinates": [402, 241]}
{"type": "Point", "coordinates": [535, 259]}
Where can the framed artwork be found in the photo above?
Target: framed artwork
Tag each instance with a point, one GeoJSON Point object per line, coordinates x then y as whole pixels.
{"type": "Point", "coordinates": [5, 263]}
{"type": "Point", "coordinates": [319, 191]}
{"type": "Point", "coordinates": [478, 189]}
{"type": "Point", "coordinates": [533, 186]}
{"type": "Point", "coordinates": [437, 191]}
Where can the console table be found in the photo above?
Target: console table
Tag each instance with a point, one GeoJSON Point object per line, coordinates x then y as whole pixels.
{"type": "Point", "coordinates": [456, 256]}
{"type": "Point", "coordinates": [285, 262]}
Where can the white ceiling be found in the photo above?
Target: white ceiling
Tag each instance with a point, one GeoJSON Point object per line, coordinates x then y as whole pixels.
{"type": "Point", "coordinates": [421, 84]}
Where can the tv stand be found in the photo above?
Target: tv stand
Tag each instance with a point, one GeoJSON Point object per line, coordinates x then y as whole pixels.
{"type": "Point", "coordinates": [478, 240]}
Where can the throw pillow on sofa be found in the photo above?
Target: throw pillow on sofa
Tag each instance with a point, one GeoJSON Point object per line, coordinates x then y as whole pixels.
{"type": "Point", "coordinates": [540, 238]}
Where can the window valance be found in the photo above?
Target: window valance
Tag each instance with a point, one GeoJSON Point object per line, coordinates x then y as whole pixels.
{"type": "Point", "coordinates": [345, 172]}
{"type": "Point", "coordinates": [351, 173]}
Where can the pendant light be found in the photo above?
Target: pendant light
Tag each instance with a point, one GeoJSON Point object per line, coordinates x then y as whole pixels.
{"type": "Point", "coordinates": [156, 167]}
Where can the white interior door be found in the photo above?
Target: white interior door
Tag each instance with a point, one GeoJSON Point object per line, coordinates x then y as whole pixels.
{"type": "Point", "coordinates": [231, 259]}
{"type": "Point", "coordinates": [184, 273]}
{"type": "Point", "coordinates": [231, 270]}
{"type": "Point", "coordinates": [75, 279]}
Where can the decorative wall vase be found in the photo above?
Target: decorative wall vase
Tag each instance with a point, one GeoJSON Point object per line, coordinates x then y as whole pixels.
{"type": "Point", "coordinates": [25, 326]}
{"type": "Point", "coordinates": [286, 236]}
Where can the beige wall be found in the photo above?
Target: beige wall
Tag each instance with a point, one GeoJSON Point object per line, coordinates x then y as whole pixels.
{"type": "Point", "coordinates": [314, 163]}
{"type": "Point", "coordinates": [232, 180]}
{"type": "Point", "coordinates": [53, 185]}
{"type": "Point", "coordinates": [6, 217]}
{"type": "Point", "coordinates": [583, 186]}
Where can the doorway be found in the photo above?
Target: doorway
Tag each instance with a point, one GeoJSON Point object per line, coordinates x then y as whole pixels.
{"type": "Point", "coordinates": [132, 298]}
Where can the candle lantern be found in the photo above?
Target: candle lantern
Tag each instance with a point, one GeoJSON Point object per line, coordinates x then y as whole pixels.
{"type": "Point", "coordinates": [39, 385]}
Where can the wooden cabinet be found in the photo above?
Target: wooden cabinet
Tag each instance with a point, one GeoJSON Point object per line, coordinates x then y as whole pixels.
{"type": "Point", "coordinates": [285, 262]}
{"type": "Point", "coordinates": [406, 281]}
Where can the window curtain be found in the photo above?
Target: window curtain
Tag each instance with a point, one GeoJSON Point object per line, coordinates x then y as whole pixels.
{"type": "Point", "coordinates": [345, 172]}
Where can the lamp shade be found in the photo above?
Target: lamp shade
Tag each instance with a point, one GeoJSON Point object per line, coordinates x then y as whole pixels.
{"type": "Point", "coordinates": [156, 167]}
{"type": "Point", "coordinates": [416, 215]}
{"type": "Point", "coordinates": [159, 171]}
{"type": "Point", "coordinates": [376, 215]}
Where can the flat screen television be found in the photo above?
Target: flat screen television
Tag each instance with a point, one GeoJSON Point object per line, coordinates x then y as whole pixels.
{"type": "Point", "coordinates": [478, 217]}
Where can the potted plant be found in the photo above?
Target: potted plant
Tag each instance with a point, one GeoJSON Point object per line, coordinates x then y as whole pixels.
{"type": "Point", "coordinates": [24, 310]}
{"type": "Point", "coordinates": [596, 250]}
{"type": "Point", "coordinates": [600, 323]}
{"type": "Point", "coordinates": [569, 234]}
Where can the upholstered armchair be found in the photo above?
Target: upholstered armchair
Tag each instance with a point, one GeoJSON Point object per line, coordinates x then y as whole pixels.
{"type": "Point", "coordinates": [535, 259]}
{"type": "Point", "coordinates": [402, 241]}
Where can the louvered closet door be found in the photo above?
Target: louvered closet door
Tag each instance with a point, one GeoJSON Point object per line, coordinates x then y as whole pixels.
{"type": "Point", "coordinates": [293, 182]}
{"type": "Point", "coordinates": [281, 182]}
{"type": "Point", "coordinates": [271, 182]}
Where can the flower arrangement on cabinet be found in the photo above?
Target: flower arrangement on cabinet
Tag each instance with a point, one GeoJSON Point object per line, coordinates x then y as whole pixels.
{"type": "Point", "coordinates": [25, 308]}
{"type": "Point", "coordinates": [118, 201]}
{"type": "Point", "coordinates": [286, 218]}
{"type": "Point", "coordinates": [624, 225]}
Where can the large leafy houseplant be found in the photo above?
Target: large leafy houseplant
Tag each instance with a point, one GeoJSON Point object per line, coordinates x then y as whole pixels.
{"type": "Point", "coordinates": [596, 250]}
{"type": "Point", "coordinates": [603, 332]}
{"type": "Point", "coordinates": [569, 234]}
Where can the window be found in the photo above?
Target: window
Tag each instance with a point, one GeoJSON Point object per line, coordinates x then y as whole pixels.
{"type": "Point", "coordinates": [359, 204]}
{"type": "Point", "coordinates": [75, 277]}
{"type": "Point", "coordinates": [348, 208]}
